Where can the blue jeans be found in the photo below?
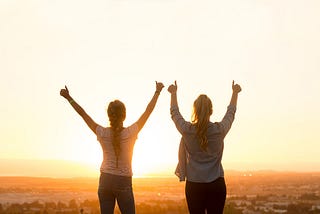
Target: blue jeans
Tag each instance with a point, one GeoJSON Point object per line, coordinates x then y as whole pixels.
{"type": "Point", "coordinates": [114, 188]}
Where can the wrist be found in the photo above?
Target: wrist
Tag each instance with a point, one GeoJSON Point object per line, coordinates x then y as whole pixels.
{"type": "Point", "coordinates": [157, 92]}
{"type": "Point", "coordinates": [70, 99]}
{"type": "Point", "coordinates": [67, 97]}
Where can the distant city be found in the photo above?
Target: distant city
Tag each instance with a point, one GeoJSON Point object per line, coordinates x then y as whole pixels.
{"type": "Point", "coordinates": [256, 192]}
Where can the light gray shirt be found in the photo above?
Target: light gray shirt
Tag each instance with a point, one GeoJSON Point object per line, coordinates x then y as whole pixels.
{"type": "Point", "coordinates": [128, 138]}
{"type": "Point", "coordinates": [195, 164]}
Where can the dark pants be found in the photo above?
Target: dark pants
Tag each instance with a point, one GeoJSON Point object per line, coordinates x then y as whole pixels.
{"type": "Point", "coordinates": [114, 188]}
{"type": "Point", "coordinates": [202, 197]}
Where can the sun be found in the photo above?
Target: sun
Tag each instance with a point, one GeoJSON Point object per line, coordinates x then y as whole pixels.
{"type": "Point", "coordinates": [143, 161]}
{"type": "Point", "coordinates": [152, 156]}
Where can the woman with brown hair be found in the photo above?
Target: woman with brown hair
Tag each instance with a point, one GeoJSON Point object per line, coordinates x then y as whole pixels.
{"type": "Point", "coordinates": [200, 152]}
{"type": "Point", "coordinates": [117, 142]}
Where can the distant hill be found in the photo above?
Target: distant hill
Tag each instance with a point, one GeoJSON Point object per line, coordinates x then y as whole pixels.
{"type": "Point", "coordinates": [72, 169]}
{"type": "Point", "coordinates": [47, 168]}
{"type": "Point", "coordinates": [58, 169]}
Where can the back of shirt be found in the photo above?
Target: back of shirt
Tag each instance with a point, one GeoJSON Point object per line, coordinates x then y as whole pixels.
{"type": "Point", "coordinates": [203, 166]}
{"type": "Point", "coordinates": [128, 137]}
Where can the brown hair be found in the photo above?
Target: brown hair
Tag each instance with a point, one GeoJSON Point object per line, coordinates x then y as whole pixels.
{"type": "Point", "coordinates": [117, 114]}
{"type": "Point", "coordinates": [202, 110]}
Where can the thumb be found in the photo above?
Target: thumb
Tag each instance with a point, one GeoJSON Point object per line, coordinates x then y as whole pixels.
{"type": "Point", "coordinates": [66, 88]}
{"type": "Point", "coordinates": [175, 82]}
{"type": "Point", "coordinates": [232, 83]}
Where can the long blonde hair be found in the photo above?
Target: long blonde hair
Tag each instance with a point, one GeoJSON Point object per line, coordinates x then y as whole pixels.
{"type": "Point", "coordinates": [202, 110]}
{"type": "Point", "coordinates": [117, 114]}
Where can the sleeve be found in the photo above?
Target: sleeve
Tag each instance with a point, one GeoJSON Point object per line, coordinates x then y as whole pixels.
{"type": "Point", "coordinates": [99, 131]}
{"type": "Point", "coordinates": [228, 119]}
{"type": "Point", "coordinates": [182, 125]}
{"type": "Point", "coordinates": [134, 130]}
{"type": "Point", "coordinates": [182, 161]}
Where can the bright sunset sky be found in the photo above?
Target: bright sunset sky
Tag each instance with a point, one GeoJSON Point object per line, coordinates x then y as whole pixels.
{"type": "Point", "coordinates": [106, 50]}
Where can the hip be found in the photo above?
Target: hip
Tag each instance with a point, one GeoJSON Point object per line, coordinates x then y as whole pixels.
{"type": "Point", "coordinates": [217, 185]}
{"type": "Point", "coordinates": [115, 182]}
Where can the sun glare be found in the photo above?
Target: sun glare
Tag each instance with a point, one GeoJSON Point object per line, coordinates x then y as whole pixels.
{"type": "Point", "coordinates": [144, 163]}
{"type": "Point", "coordinates": [150, 156]}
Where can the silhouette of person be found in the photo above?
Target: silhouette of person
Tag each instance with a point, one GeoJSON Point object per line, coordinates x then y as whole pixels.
{"type": "Point", "coordinates": [200, 152]}
{"type": "Point", "coordinates": [117, 142]}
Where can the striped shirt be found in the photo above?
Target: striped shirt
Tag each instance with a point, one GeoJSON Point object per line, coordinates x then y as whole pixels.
{"type": "Point", "coordinates": [128, 138]}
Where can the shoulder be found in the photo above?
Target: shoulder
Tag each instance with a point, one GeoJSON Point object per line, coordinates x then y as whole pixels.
{"type": "Point", "coordinates": [102, 131]}
{"type": "Point", "coordinates": [132, 129]}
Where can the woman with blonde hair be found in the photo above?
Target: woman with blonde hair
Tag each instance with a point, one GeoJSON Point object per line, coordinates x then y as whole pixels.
{"type": "Point", "coordinates": [117, 142]}
{"type": "Point", "coordinates": [200, 152]}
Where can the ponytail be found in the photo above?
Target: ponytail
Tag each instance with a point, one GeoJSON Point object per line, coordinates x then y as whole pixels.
{"type": "Point", "coordinates": [202, 110]}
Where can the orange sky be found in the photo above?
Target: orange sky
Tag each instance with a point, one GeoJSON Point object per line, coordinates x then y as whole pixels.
{"type": "Point", "coordinates": [105, 50]}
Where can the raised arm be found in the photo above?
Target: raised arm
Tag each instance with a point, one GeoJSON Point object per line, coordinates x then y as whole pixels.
{"type": "Point", "coordinates": [144, 117]}
{"type": "Point", "coordinates": [181, 124]}
{"type": "Point", "coordinates": [173, 91]}
{"type": "Point", "coordinates": [229, 116]}
{"type": "Point", "coordinates": [65, 93]}
{"type": "Point", "coordinates": [235, 91]}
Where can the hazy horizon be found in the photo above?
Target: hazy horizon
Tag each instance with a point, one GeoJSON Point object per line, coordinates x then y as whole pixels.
{"type": "Point", "coordinates": [52, 168]}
